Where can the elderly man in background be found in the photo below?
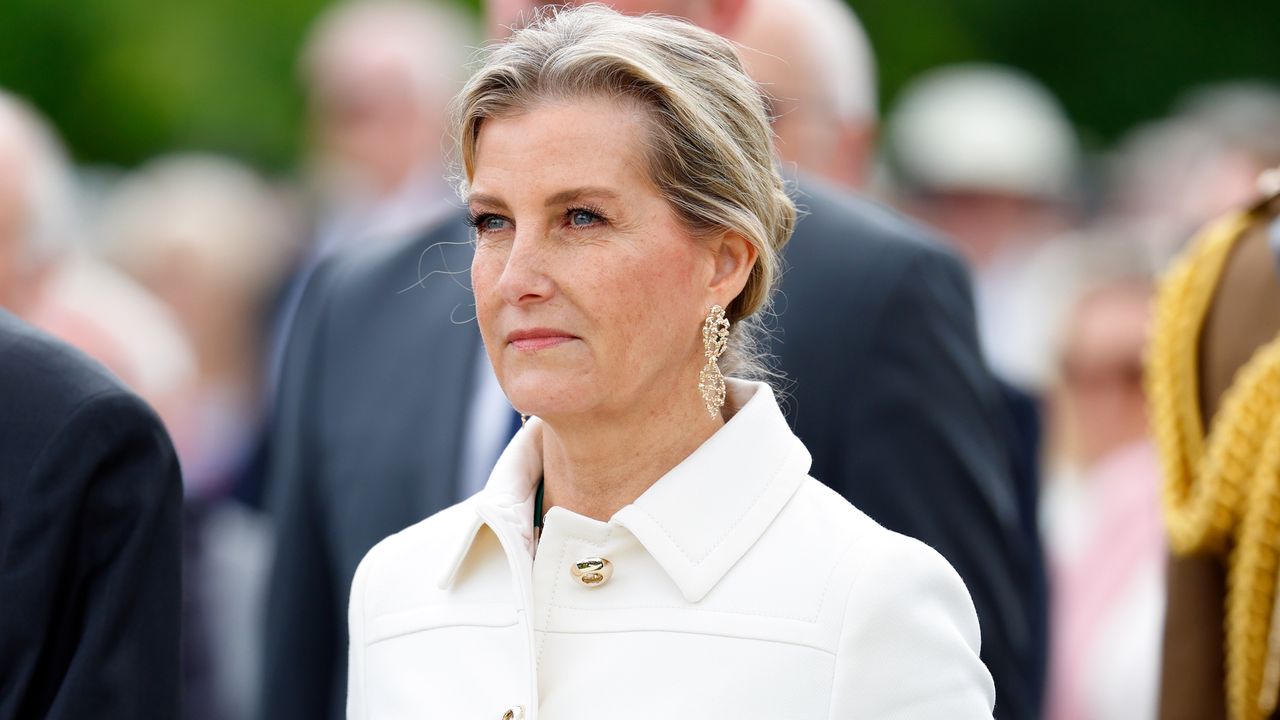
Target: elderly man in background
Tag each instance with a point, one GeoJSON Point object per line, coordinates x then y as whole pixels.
{"type": "Point", "coordinates": [379, 75]}
{"type": "Point", "coordinates": [389, 412]}
{"type": "Point", "coordinates": [814, 60]}
{"type": "Point", "coordinates": [48, 279]}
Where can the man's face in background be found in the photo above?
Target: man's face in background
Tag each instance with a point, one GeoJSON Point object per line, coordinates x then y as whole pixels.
{"type": "Point", "coordinates": [11, 227]}
{"type": "Point", "coordinates": [18, 276]}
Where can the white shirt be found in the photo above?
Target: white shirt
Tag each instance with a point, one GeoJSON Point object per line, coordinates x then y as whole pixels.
{"type": "Point", "coordinates": [488, 427]}
{"type": "Point", "coordinates": [741, 588]}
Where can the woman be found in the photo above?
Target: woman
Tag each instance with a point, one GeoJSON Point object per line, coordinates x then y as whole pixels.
{"type": "Point", "coordinates": [649, 545]}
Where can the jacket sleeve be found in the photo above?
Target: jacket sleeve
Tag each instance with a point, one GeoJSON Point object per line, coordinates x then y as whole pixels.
{"type": "Point", "coordinates": [303, 636]}
{"type": "Point", "coordinates": [931, 441]}
{"type": "Point", "coordinates": [909, 646]}
{"type": "Point", "coordinates": [110, 492]}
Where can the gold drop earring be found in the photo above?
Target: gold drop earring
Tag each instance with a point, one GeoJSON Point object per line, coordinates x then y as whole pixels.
{"type": "Point", "coordinates": [715, 336]}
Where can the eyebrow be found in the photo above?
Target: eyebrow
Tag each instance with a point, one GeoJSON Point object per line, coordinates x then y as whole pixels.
{"type": "Point", "coordinates": [568, 196]}
{"type": "Point", "coordinates": [484, 199]}
{"type": "Point", "coordinates": [560, 198]}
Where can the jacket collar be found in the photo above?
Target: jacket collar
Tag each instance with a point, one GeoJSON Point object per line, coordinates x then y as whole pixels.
{"type": "Point", "coordinates": [696, 521]}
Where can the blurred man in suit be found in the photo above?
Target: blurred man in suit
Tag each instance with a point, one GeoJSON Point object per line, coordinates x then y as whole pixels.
{"type": "Point", "coordinates": [814, 59]}
{"type": "Point", "coordinates": [90, 503]}
{"type": "Point", "coordinates": [390, 413]}
{"type": "Point", "coordinates": [379, 75]}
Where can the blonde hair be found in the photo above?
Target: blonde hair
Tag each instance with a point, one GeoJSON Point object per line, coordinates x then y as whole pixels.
{"type": "Point", "coordinates": [710, 151]}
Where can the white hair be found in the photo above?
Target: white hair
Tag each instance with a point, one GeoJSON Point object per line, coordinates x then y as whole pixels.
{"type": "Point", "coordinates": [50, 208]}
{"type": "Point", "coordinates": [428, 40]}
{"type": "Point", "coordinates": [1243, 114]}
{"type": "Point", "coordinates": [849, 61]}
{"type": "Point", "coordinates": [828, 60]}
{"type": "Point", "coordinates": [216, 212]}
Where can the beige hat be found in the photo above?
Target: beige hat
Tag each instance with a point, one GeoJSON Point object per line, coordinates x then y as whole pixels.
{"type": "Point", "coordinates": [983, 127]}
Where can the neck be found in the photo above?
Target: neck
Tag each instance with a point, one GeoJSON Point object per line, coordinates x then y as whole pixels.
{"type": "Point", "coordinates": [596, 466]}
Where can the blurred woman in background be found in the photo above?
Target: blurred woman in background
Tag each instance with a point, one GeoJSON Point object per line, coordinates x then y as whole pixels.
{"type": "Point", "coordinates": [210, 239]}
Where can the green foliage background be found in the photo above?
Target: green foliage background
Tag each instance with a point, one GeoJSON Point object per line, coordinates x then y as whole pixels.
{"type": "Point", "coordinates": [126, 79]}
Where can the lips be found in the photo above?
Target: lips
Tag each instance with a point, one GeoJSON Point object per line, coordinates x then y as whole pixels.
{"type": "Point", "coordinates": [538, 338]}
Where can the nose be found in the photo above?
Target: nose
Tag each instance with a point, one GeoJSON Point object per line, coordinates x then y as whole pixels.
{"type": "Point", "coordinates": [525, 279]}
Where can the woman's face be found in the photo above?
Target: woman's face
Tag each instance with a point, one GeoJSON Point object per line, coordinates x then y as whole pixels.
{"type": "Point", "coordinates": [589, 292]}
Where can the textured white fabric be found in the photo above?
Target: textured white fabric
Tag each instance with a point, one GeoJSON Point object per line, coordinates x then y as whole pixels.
{"type": "Point", "coordinates": [742, 588]}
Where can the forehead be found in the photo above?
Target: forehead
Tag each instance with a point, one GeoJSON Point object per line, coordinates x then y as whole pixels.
{"type": "Point", "coordinates": [557, 144]}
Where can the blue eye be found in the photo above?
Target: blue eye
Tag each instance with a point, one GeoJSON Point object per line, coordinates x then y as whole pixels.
{"type": "Point", "coordinates": [485, 222]}
{"type": "Point", "coordinates": [583, 218]}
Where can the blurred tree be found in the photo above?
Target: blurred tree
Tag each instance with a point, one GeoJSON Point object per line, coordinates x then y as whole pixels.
{"type": "Point", "coordinates": [1111, 64]}
{"type": "Point", "coordinates": [125, 79]}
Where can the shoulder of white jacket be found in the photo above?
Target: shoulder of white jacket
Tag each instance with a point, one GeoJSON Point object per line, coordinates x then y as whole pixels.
{"type": "Point", "coordinates": [423, 545]}
{"type": "Point", "coordinates": [893, 570]}
{"type": "Point", "coordinates": [909, 617]}
{"type": "Point", "coordinates": [844, 521]}
{"type": "Point", "coordinates": [900, 553]}
{"type": "Point", "coordinates": [876, 550]}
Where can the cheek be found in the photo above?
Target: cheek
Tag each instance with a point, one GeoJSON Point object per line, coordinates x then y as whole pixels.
{"type": "Point", "coordinates": [486, 269]}
{"type": "Point", "coordinates": [651, 300]}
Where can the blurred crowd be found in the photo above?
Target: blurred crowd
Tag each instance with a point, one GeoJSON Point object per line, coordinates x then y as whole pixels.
{"type": "Point", "coordinates": [184, 276]}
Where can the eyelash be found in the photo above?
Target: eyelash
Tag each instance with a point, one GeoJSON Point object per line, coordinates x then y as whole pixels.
{"type": "Point", "coordinates": [476, 220]}
{"type": "Point", "coordinates": [590, 210]}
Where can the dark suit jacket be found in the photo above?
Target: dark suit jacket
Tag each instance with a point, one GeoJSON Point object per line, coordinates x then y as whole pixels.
{"type": "Point", "coordinates": [890, 395]}
{"type": "Point", "coordinates": [367, 437]}
{"type": "Point", "coordinates": [90, 546]}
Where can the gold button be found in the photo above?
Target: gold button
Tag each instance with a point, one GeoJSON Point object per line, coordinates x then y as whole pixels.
{"type": "Point", "coordinates": [592, 571]}
{"type": "Point", "coordinates": [515, 713]}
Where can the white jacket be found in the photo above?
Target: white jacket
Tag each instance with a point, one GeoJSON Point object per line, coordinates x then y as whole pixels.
{"type": "Point", "coordinates": [741, 588]}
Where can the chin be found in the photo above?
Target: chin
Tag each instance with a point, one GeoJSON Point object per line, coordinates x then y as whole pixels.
{"type": "Point", "coordinates": [549, 393]}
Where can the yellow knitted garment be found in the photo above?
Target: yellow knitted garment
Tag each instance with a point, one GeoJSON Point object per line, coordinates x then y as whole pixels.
{"type": "Point", "coordinates": [1222, 492]}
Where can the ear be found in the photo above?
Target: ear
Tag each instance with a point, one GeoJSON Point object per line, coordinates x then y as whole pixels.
{"type": "Point", "coordinates": [733, 258]}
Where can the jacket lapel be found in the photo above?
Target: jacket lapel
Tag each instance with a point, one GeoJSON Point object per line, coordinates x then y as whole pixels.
{"type": "Point", "coordinates": [696, 521]}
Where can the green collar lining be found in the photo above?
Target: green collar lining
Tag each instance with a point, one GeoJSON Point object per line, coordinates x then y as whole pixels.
{"type": "Point", "coordinates": [537, 505]}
